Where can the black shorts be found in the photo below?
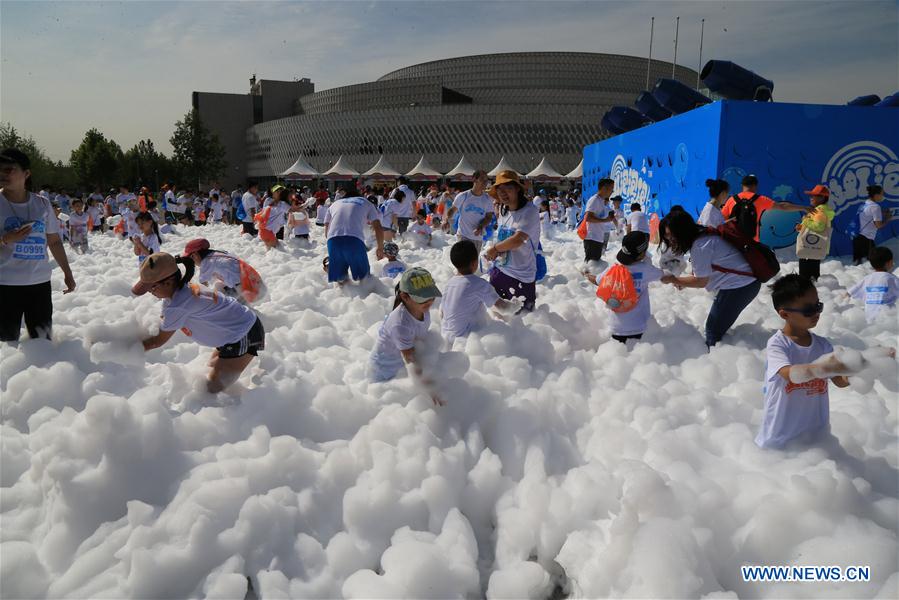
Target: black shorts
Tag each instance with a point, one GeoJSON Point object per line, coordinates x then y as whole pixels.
{"type": "Point", "coordinates": [33, 302]}
{"type": "Point", "coordinates": [248, 228]}
{"type": "Point", "coordinates": [402, 223]}
{"type": "Point", "coordinates": [319, 224]}
{"type": "Point", "coordinates": [251, 343]}
{"type": "Point", "coordinates": [304, 236]}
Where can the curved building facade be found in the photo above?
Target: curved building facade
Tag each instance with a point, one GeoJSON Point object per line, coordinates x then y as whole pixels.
{"type": "Point", "coordinates": [523, 106]}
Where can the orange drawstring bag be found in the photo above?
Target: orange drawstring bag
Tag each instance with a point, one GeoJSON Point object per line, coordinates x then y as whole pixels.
{"type": "Point", "coordinates": [616, 289]}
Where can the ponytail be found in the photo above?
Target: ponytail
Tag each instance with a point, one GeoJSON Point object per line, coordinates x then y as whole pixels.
{"type": "Point", "coordinates": [188, 270]}
{"type": "Point", "coordinates": [397, 300]}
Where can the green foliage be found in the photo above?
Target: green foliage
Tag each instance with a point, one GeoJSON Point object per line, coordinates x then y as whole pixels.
{"type": "Point", "coordinates": [96, 161]}
{"type": "Point", "coordinates": [143, 165]}
{"type": "Point", "coordinates": [197, 150]}
{"type": "Point", "coordinates": [43, 170]}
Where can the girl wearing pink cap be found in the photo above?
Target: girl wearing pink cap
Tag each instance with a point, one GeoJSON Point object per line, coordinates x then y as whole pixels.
{"type": "Point", "coordinates": [204, 315]}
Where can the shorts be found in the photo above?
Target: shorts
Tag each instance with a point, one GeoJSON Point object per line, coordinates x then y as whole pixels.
{"type": "Point", "coordinates": [304, 236]}
{"type": "Point", "coordinates": [248, 228]}
{"type": "Point", "coordinates": [508, 287]}
{"type": "Point", "coordinates": [251, 343]}
{"type": "Point", "coordinates": [347, 254]}
{"type": "Point", "coordinates": [402, 223]}
{"type": "Point", "coordinates": [33, 302]}
{"type": "Point", "coordinates": [624, 338]}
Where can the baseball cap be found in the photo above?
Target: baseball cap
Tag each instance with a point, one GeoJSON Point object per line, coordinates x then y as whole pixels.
{"type": "Point", "coordinates": [419, 284]}
{"type": "Point", "coordinates": [195, 245]}
{"type": "Point", "coordinates": [391, 249]}
{"type": "Point", "coordinates": [819, 190]}
{"type": "Point", "coordinates": [632, 246]}
{"type": "Point", "coordinates": [154, 269]}
{"type": "Point", "coordinates": [15, 156]}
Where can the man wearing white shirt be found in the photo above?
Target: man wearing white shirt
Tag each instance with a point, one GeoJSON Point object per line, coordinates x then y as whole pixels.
{"type": "Point", "coordinates": [250, 207]}
{"type": "Point", "coordinates": [596, 213]}
{"type": "Point", "coordinates": [345, 223]}
{"type": "Point", "coordinates": [637, 220]}
{"type": "Point", "coordinates": [406, 197]}
{"type": "Point", "coordinates": [475, 210]}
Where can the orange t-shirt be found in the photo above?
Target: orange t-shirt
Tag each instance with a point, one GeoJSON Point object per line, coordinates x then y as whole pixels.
{"type": "Point", "coordinates": [762, 203]}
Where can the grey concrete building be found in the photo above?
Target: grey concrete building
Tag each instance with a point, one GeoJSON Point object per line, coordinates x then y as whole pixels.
{"type": "Point", "coordinates": [523, 106]}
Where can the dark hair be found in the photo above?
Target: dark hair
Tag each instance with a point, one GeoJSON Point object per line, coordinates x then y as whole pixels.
{"type": "Point", "coordinates": [463, 253]}
{"type": "Point", "coordinates": [252, 183]}
{"type": "Point", "coordinates": [604, 182]}
{"type": "Point", "coordinates": [522, 202]}
{"type": "Point", "coordinates": [401, 180]}
{"type": "Point", "coordinates": [789, 288]}
{"type": "Point", "coordinates": [145, 216]}
{"type": "Point", "coordinates": [874, 189]}
{"type": "Point", "coordinates": [397, 300]}
{"type": "Point", "coordinates": [675, 208]}
{"type": "Point", "coordinates": [716, 186]}
{"type": "Point", "coordinates": [77, 200]}
{"type": "Point", "coordinates": [635, 206]}
{"type": "Point", "coordinates": [188, 270]}
{"type": "Point", "coordinates": [16, 156]}
{"type": "Point", "coordinates": [750, 180]}
{"type": "Point", "coordinates": [879, 257]}
{"type": "Point", "coordinates": [684, 231]}
{"type": "Point", "coordinates": [422, 213]}
{"type": "Point", "coordinates": [478, 174]}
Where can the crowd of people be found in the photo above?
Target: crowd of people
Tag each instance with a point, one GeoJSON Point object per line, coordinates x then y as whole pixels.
{"type": "Point", "coordinates": [496, 230]}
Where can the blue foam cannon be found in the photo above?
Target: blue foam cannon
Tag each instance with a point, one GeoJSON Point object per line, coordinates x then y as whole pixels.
{"type": "Point", "coordinates": [733, 82]}
{"type": "Point", "coordinates": [870, 100]}
{"type": "Point", "coordinates": [892, 100]}
{"type": "Point", "coordinates": [650, 107]}
{"type": "Point", "coordinates": [676, 97]}
{"type": "Point", "coordinates": [607, 124]}
{"type": "Point", "coordinates": [626, 118]}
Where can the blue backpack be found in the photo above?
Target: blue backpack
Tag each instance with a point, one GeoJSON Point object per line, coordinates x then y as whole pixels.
{"type": "Point", "coordinates": [240, 212]}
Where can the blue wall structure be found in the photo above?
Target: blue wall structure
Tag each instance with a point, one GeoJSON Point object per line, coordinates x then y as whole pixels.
{"type": "Point", "coordinates": [789, 147]}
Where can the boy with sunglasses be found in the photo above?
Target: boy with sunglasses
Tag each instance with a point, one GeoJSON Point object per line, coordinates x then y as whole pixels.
{"type": "Point", "coordinates": [796, 399]}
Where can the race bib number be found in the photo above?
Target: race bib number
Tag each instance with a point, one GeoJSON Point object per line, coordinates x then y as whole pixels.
{"type": "Point", "coordinates": [33, 247]}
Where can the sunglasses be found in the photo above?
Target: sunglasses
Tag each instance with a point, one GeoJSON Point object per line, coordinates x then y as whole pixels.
{"type": "Point", "coordinates": [809, 310]}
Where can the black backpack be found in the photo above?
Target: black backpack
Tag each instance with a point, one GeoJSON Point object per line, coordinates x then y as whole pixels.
{"type": "Point", "coordinates": [745, 215]}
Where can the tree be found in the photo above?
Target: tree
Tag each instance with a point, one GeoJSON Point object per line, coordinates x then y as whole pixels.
{"type": "Point", "coordinates": [198, 151]}
{"type": "Point", "coordinates": [143, 165]}
{"type": "Point", "coordinates": [96, 161]}
{"type": "Point", "coordinates": [43, 170]}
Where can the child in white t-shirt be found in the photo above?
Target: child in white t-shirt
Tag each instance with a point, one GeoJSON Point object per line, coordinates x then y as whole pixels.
{"type": "Point", "coordinates": [631, 325]}
{"type": "Point", "coordinates": [205, 316]}
{"type": "Point", "coordinates": [147, 241]}
{"type": "Point", "coordinates": [570, 215]}
{"type": "Point", "coordinates": [879, 289]}
{"type": "Point", "coordinates": [95, 214]}
{"type": "Point", "coordinates": [797, 403]}
{"type": "Point", "coordinates": [637, 220]}
{"type": "Point", "coordinates": [298, 219]}
{"type": "Point", "coordinates": [405, 326]}
{"type": "Point", "coordinates": [78, 221]}
{"type": "Point", "coordinates": [421, 231]}
{"type": "Point", "coordinates": [466, 295]}
{"type": "Point", "coordinates": [215, 210]}
{"type": "Point", "coordinates": [394, 266]}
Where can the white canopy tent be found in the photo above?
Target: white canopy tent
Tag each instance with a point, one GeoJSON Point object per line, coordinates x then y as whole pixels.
{"type": "Point", "coordinates": [544, 171]}
{"type": "Point", "coordinates": [463, 170]}
{"type": "Point", "coordinates": [503, 165]}
{"type": "Point", "coordinates": [577, 172]}
{"type": "Point", "coordinates": [423, 170]}
{"type": "Point", "coordinates": [341, 170]}
{"type": "Point", "coordinates": [382, 170]}
{"type": "Point", "coordinates": [300, 170]}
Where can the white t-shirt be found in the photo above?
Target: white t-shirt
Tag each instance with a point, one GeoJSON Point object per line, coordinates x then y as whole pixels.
{"type": "Point", "coordinates": [792, 409]}
{"type": "Point", "coordinates": [520, 263]}
{"type": "Point", "coordinates": [78, 224]}
{"type": "Point", "coordinates": [633, 322]}
{"type": "Point", "coordinates": [545, 219]}
{"type": "Point", "coordinates": [300, 222]}
{"type": "Point", "coordinates": [220, 266]}
{"type": "Point", "coordinates": [320, 213]}
{"type": "Point", "coordinates": [596, 231]}
{"type": "Point", "coordinates": [421, 230]}
{"type": "Point", "coordinates": [277, 217]}
{"type": "Point", "coordinates": [250, 204]}
{"type": "Point", "coordinates": [95, 214]}
{"type": "Point", "coordinates": [711, 216]}
{"type": "Point", "coordinates": [392, 268]}
{"type": "Point", "coordinates": [151, 242]}
{"type": "Point", "coordinates": [471, 210]}
{"type": "Point", "coordinates": [349, 216]}
{"type": "Point", "coordinates": [878, 289]}
{"type": "Point", "coordinates": [216, 208]}
{"type": "Point", "coordinates": [398, 332]}
{"type": "Point", "coordinates": [570, 218]}
{"type": "Point", "coordinates": [170, 203]}
{"type": "Point", "coordinates": [131, 228]}
{"type": "Point", "coordinates": [869, 214]}
{"type": "Point", "coordinates": [209, 318]}
{"type": "Point", "coordinates": [25, 262]}
{"type": "Point", "coordinates": [638, 221]}
{"type": "Point", "coordinates": [711, 250]}
{"type": "Point", "coordinates": [462, 305]}
{"type": "Point", "coordinates": [123, 199]}
{"type": "Point", "coordinates": [405, 208]}
{"type": "Point", "coordinates": [387, 210]}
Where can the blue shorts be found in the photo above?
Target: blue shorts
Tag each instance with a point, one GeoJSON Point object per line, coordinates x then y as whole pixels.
{"type": "Point", "coordinates": [347, 253]}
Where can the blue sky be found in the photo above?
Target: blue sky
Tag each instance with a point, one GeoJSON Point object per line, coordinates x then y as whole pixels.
{"type": "Point", "coordinates": [128, 68]}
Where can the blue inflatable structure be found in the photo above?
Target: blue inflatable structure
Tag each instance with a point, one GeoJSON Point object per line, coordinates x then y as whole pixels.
{"type": "Point", "coordinates": [789, 147]}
